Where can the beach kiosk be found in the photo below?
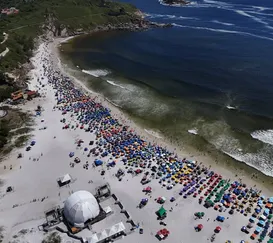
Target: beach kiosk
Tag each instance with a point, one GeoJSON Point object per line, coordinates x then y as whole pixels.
{"type": "Point", "coordinates": [64, 180]}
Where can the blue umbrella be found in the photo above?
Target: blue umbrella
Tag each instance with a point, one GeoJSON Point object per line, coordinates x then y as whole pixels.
{"type": "Point", "coordinates": [261, 223]}
{"type": "Point", "coordinates": [252, 219]}
{"type": "Point", "coordinates": [257, 210]}
{"type": "Point", "coordinates": [258, 229]}
{"type": "Point", "coordinates": [266, 211]}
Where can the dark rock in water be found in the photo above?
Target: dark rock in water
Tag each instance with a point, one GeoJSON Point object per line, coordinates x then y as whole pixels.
{"type": "Point", "coordinates": [160, 25]}
{"type": "Point", "coordinates": [171, 2]}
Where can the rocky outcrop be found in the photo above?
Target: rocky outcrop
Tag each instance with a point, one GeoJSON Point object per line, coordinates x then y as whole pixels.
{"type": "Point", "coordinates": [172, 2]}
{"type": "Point", "coordinates": [136, 23]}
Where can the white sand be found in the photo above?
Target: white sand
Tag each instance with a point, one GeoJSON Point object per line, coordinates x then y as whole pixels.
{"type": "Point", "coordinates": [37, 179]}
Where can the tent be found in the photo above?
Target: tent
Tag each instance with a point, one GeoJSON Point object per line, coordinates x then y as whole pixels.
{"type": "Point", "coordinates": [161, 212]}
{"type": "Point", "coordinates": [220, 218]}
{"type": "Point", "coordinates": [98, 162]}
{"type": "Point", "coordinates": [102, 235]}
{"type": "Point", "coordinates": [64, 180]}
{"type": "Point", "coordinates": [116, 229]}
{"type": "Point", "coordinates": [93, 239]}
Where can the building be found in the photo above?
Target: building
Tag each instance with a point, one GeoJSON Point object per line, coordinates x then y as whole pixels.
{"type": "Point", "coordinates": [9, 11]}
{"type": "Point", "coordinates": [80, 209]}
{"type": "Point", "coordinates": [23, 94]}
{"type": "Point", "coordinates": [17, 95]}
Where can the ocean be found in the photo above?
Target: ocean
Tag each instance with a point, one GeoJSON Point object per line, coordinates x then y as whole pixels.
{"type": "Point", "coordinates": [206, 83]}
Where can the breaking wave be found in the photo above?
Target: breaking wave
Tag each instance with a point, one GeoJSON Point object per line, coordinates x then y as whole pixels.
{"type": "Point", "coordinates": [220, 136]}
{"type": "Point", "coordinates": [115, 84]}
{"type": "Point", "coordinates": [222, 23]}
{"type": "Point", "coordinates": [97, 73]}
{"type": "Point", "coordinates": [113, 103]}
{"type": "Point", "coordinates": [266, 136]}
{"type": "Point", "coordinates": [168, 16]}
{"type": "Point", "coordinates": [224, 31]}
{"type": "Point", "coordinates": [258, 20]}
{"type": "Point", "coordinates": [153, 133]}
{"type": "Point", "coordinates": [193, 131]}
{"type": "Point", "coordinates": [231, 107]}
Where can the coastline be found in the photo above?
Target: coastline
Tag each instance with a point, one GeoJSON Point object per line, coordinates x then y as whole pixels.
{"type": "Point", "coordinates": [33, 177]}
{"type": "Point", "coordinates": [222, 163]}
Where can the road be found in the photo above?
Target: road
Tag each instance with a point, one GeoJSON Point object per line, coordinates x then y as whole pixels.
{"type": "Point", "coordinates": [4, 53]}
{"type": "Point", "coordinates": [5, 39]}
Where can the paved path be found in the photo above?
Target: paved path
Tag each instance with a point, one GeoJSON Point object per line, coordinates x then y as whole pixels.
{"type": "Point", "coordinates": [5, 39]}
{"type": "Point", "coordinates": [4, 53]}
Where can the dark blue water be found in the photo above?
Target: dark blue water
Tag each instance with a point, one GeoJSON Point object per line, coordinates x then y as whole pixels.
{"type": "Point", "coordinates": [210, 74]}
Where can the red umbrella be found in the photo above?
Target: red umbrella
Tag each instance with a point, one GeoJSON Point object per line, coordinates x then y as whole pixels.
{"type": "Point", "coordinates": [148, 189]}
{"type": "Point", "coordinates": [218, 229]}
{"type": "Point", "coordinates": [200, 226]}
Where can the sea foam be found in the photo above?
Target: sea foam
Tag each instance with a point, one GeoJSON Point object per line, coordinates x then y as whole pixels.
{"type": "Point", "coordinates": [97, 73]}
{"type": "Point", "coordinates": [115, 84]}
{"type": "Point", "coordinates": [231, 107]}
{"type": "Point", "coordinates": [193, 131]}
{"type": "Point", "coordinates": [224, 31]}
{"type": "Point", "coordinates": [222, 23]}
{"type": "Point", "coordinates": [153, 133]}
{"type": "Point", "coordinates": [266, 136]}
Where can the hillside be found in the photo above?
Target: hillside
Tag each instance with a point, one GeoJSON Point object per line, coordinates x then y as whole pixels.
{"type": "Point", "coordinates": [62, 17]}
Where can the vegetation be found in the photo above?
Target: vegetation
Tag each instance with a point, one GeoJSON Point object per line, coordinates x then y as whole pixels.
{"type": "Point", "coordinates": [68, 16]}
{"type": "Point", "coordinates": [34, 18]}
{"type": "Point", "coordinates": [4, 131]}
{"type": "Point", "coordinates": [52, 238]}
{"type": "Point", "coordinates": [15, 123]}
{"type": "Point", "coordinates": [1, 233]}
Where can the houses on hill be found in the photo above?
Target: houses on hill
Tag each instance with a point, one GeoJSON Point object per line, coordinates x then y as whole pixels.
{"type": "Point", "coordinates": [9, 11]}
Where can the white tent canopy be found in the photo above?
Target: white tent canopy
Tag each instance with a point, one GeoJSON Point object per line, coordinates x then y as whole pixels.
{"type": "Point", "coordinates": [107, 233]}
{"type": "Point", "coordinates": [102, 235]}
{"type": "Point", "coordinates": [65, 178]}
{"type": "Point", "coordinates": [93, 239]}
{"type": "Point", "coordinates": [80, 207]}
{"type": "Point", "coordinates": [107, 210]}
{"type": "Point", "coordinates": [117, 228]}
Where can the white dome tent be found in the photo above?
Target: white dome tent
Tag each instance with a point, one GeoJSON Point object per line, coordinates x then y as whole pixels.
{"type": "Point", "coordinates": [80, 207]}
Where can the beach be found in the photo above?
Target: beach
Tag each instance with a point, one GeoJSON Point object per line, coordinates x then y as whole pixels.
{"type": "Point", "coordinates": [34, 176]}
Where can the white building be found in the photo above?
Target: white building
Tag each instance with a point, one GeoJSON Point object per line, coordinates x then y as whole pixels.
{"type": "Point", "coordinates": [81, 207]}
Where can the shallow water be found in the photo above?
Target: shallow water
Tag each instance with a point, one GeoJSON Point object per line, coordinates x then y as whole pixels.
{"type": "Point", "coordinates": [206, 82]}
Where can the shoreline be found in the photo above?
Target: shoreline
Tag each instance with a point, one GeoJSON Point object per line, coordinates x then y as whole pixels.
{"type": "Point", "coordinates": [33, 177]}
{"type": "Point", "coordinates": [228, 166]}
